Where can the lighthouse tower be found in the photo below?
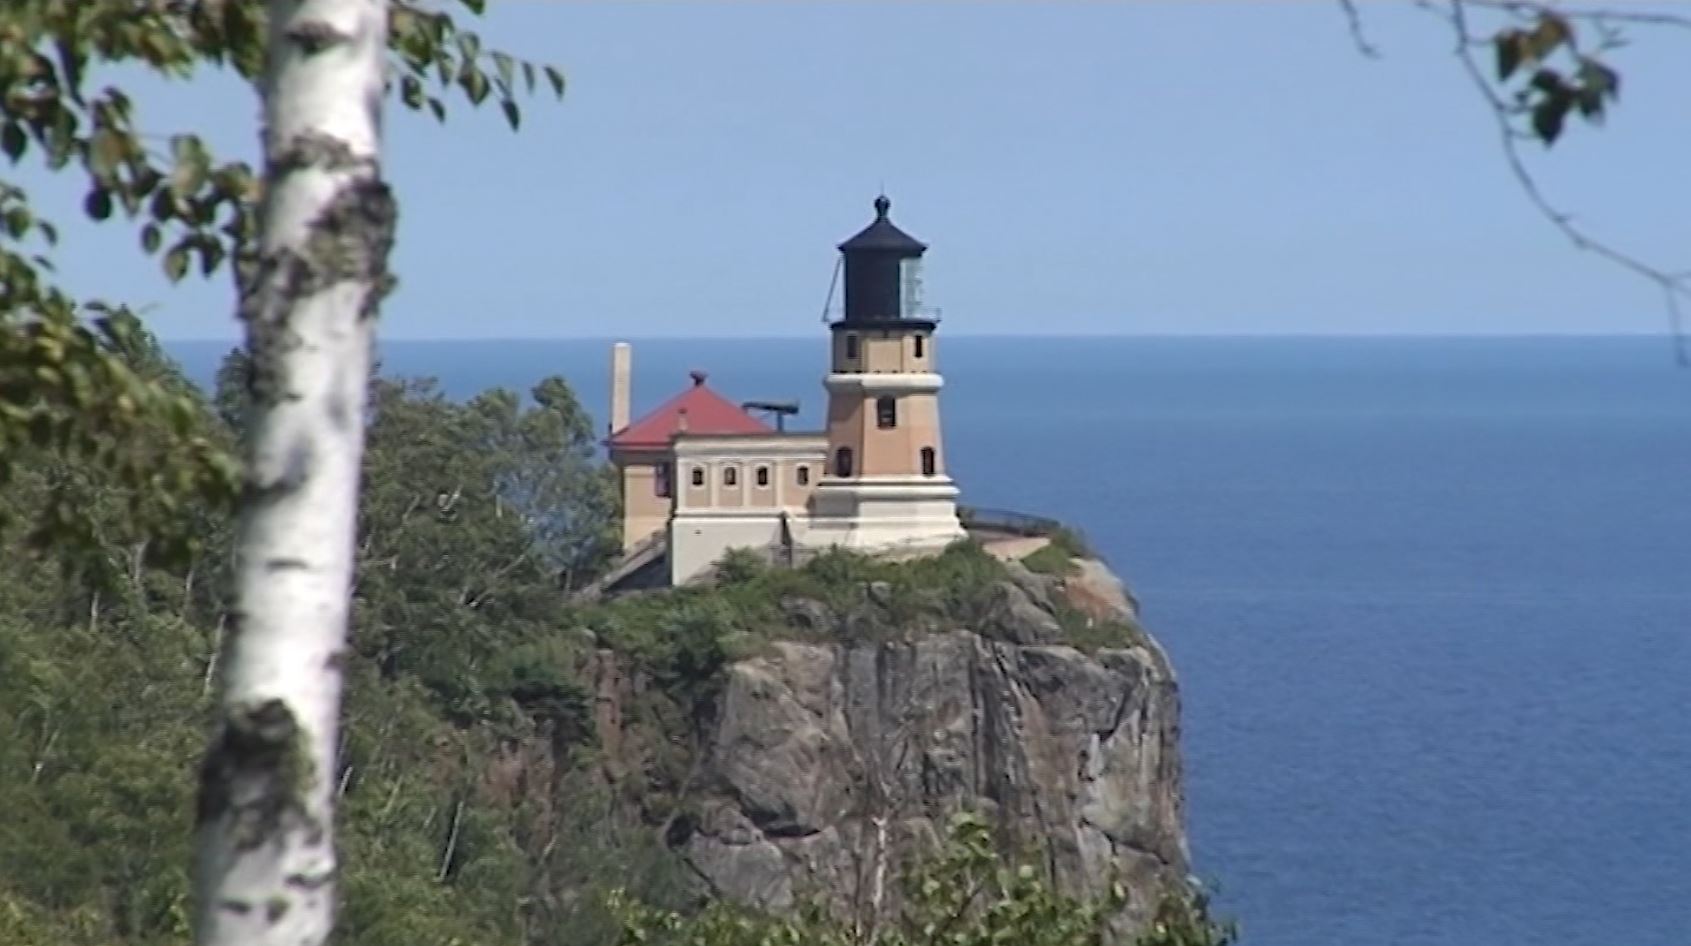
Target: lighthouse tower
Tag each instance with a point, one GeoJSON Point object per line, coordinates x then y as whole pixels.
{"type": "Point", "coordinates": [884, 483]}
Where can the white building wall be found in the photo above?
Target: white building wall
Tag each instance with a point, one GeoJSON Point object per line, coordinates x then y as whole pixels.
{"type": "Point", "coordinates": [876, 512]}
{"type": "Point", "coordinates": [698, 542]}
{"type": "Point", "coordinates": [708, 520]}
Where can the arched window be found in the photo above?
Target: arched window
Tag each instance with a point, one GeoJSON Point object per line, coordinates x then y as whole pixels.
{"type": "Point", "coordinates": [730, 476]}
{"type": "Point", "coordinates": [929, 461]}
{"type": "Point", "coordinates": [886, 412]}
{"type": "Point", "coordinates": [921, 345]}
{"type": "Point", "coordinates": [763, 476]}
{"type": "Point", "coordinates": [803, 475]}
{"type": "Point", "coordinates": [698, 476]}
{"type": "Point", "coordinates": [842, 461]}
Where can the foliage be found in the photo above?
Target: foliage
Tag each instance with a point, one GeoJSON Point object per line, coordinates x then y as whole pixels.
{"type": "Point", "coordinates": [474, 800]}
{"type": "Point", "coordinates": [1051, 559]}
{"type": "Point", "coordinates": [61, 382]}
{"type": "Point", "coordinates": [965, 895]}
{"type": "Point", "coordinates": [470, 514]}
{"type": "Point", "coordinates": [1583, 84]}
{"type": "Point", "coordinates": [469, 812]}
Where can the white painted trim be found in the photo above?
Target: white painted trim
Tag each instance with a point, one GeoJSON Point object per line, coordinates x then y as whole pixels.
{"type": "Point", "coordinates": [731, 514]}
{"type": "Point", "coordinates": [738, 444]}
{"type": "Point", "coordinates": [901, 383]}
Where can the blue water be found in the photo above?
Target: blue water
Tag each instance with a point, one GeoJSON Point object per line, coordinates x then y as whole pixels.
{"type": "Point", "coordinates": [1430, 601]}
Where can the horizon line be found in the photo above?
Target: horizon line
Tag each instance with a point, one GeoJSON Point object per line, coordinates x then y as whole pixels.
{"type": "Point", "coordinates": [1020, 336]}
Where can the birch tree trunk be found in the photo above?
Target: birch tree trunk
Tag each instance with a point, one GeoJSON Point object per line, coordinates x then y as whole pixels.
{"type": "Point", "coordinates": [265, 866]}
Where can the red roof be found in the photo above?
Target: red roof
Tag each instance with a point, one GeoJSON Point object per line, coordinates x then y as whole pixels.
{"type": "Point", "coordinates": [707, 412]}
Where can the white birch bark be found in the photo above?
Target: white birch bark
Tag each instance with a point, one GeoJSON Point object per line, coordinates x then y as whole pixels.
{"type": "Point", "coordinates": [265, 866]}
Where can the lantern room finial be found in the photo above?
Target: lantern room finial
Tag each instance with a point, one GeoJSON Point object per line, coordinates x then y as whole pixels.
{"type": "Point", "coordinates": [883, 204]}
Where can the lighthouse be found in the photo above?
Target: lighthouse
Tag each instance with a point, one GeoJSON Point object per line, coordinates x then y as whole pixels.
{"type": "Point", "coordinates": [884, 482]}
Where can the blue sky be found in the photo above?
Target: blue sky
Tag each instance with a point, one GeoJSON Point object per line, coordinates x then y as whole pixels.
{"type": "Point", "coordinates": [1078, 168]}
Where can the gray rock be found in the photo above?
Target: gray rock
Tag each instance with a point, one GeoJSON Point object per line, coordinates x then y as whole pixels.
{"type": "Point", "coordinates": [808, 615]}
{"type": "Point", "coordinates": [827, 764]}
{"type": "Point", "coordinates": [1015, 617]}
{"type": "Point", "coordinates": [831, 762]}
{"type": "Point", "coordinates": [1039, 588]}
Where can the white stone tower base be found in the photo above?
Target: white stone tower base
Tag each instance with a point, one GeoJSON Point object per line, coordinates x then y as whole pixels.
{"type": "Point", "coordinates": [883, 513]}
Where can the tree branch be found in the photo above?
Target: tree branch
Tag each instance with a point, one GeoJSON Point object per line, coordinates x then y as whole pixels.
{"type": "Point", "coordinates": [1353, 19]}
{"type": "Point", "coordinates": [1532, 9]}
{"type": "Point", "coordinates": [1675, 286]}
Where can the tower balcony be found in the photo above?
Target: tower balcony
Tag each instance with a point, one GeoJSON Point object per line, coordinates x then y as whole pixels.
{"type": "Point", "coordinates": [835, 314]}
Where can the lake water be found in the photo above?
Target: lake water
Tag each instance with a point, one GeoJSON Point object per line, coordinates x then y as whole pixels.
{"type": "Point", "coordinates": [1430, 600]}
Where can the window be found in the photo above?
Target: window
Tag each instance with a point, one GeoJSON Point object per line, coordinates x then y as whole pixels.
{"type": "Point", "coordinates": [921, 345]}
{"type": "Point", "coordinates": [929, 462]}
{"type": "Point", "coordinates": [660, 480]}
{"type": "Point", "coordinates": [804, 475]}
{"type": "Point", "coordinates": [763, 476]}
{"type": "Point", "coordinates": [851, 347]}
{"type": "Point", "coordinates": [698, 476]}
{"type": "Point", "coordinates": [842, 461]}
{"type": "Point", "coordinates": [730, 476]}
{"type": "Point", "coordinates": [886, 412]}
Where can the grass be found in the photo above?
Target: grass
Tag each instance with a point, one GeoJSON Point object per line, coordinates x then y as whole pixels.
{"type": "Point", "coordinates": [681, 637]}
{"type": "Point", "coordinates": [1051, 559]}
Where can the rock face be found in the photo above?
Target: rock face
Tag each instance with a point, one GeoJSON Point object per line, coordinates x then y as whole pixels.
{"type": "Point", "coordinates": [829, 764]}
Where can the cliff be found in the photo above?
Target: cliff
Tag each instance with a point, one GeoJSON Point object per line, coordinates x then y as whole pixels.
{"type": "Point", "coordinates": [836, 744]}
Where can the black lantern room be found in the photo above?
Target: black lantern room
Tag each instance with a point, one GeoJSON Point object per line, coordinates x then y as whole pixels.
{"type": "Point", "coordinates": [883, 275]}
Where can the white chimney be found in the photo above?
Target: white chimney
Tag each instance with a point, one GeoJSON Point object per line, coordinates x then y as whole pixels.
{"type": "Point", "coordinates": [622, 377]}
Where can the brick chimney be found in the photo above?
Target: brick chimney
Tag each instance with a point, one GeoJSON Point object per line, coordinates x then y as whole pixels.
{"type": "Point", "coordinates": [622, 379]}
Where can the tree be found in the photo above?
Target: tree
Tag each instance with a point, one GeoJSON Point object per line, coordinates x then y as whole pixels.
{"type": "Point", "coordinates": [266, 843]}
{"type": "Point", "coordinates": [1550, 63]}
{"type": "Point", "coordinates": [310, 241]}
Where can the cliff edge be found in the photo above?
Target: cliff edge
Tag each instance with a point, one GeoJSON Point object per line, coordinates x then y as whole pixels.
{"type": "Point", "coordinates": [840, 740]}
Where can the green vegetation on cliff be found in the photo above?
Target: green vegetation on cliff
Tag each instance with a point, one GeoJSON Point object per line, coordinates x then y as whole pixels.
{"type": "Point", "coordinates": [477, 804]}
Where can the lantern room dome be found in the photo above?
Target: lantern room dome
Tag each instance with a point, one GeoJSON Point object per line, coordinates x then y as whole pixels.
{"type": "Point", "coordinates": [882, 236]}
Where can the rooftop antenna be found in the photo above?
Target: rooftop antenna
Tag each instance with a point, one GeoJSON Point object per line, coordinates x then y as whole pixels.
{"type": "Point", "coordinates": [781, 410]}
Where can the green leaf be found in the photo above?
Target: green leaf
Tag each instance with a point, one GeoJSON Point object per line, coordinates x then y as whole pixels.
{"type": "Point", "coordinates": [211, 253]}
{"type": "Point", "coordinates": [557, 79]}
{"type": "Point", "coordinates": [1599, 79]}
{"type": "Point", "coordinates": [1547, 118]}
{"type": "Point", "coordinates": [528, 75]}
{"type": "Point", "coordinates": [192, 164]}
{"type": "Point", "coordinates": [176, 263]}
{"type": "Point", "coordinates": [438, 108]}
{"type": "Point", "coordinates": [98, 203]}
{"type": "Point", "coordinates": [105, 152]}
{"type": "Point", "coordinates": [13, 140]}
{"type": "Point", "coordinates": [474, 82]}
{"type": "Point", "coordinates": [506, 67]}
{"type": "Point", "coordinates": [150, 237]}
{"type": "Point", "coordinates": [411, 92]}
{"type": "Point", "coordinates": [512, 115]}
{"type": "Point", "coordinates": [1551, 32]}
{"type": "Point", "coordinates": [469, 44]}
{"type": "Point", "coordinates": [17, 220]}
{"type": "Point", "coordinates": [1548, 81]}
{"type": "Point", "coordinates": [164, 205]}
{"type": "Point", "coordinates": [1508, 44]}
